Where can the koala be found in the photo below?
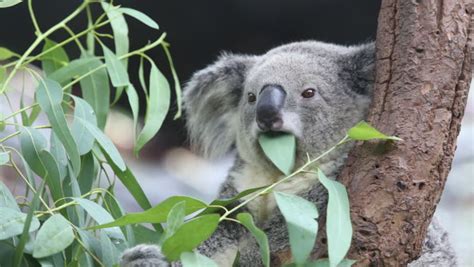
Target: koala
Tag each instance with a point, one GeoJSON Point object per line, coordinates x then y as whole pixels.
{"type": "Point", "coordinates": [313, 90]}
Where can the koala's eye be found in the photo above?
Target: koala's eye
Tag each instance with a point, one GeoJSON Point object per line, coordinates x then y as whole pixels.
{"type": "Point", "coordinates": [308, 93]}
{"type": "Point", "coordinates": [251, 97]}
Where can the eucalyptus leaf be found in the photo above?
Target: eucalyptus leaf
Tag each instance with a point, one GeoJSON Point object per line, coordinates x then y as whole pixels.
{"type": "Point", "coordinates": [6, 53]}
{"type": "Point", "coordinates": [54, 236]}
{"type": "Point", "coordinates": [338, 221]}
{"type": "Point", "coordinates": [108, 253]}
{"type": "Point", "coordinates": [33, 147]}
{"type": "Point", "coordinates": [121, 41]}
{"type": "Point", "coordinates": [3, 73]}
{"type": "Point", "coordinates": [262, 239]}
{"type": "Point", "coordinates": [84, 139]}
{"type": "Point", "coordinates": [280, 149]}
{"type": "Point", "coordinates": [107, 146]}
{"type": "Point", "coordinates": [117, 71]}
{"type": "Point", "coordinates": [88, 173]}
{"type": "Point", "coordinates": [364, 131]}
{"type": "Point", "coordinates": [50, 95]}
{"type": "Point", "coordinates": [133, 100]}
{"type": "Point", "coordinates": [119, 28]}
{"type": "Point", "coordinates": [75, 68]}
{"type": "Point", "coordinates": [130, 182]}
{"type": "Point", "coordinates": [143, 18]}
{"type": "Point", "coordinates": [194, 259]}
{"type": "Point", "coordinates": [145, 235]}
{"type": "Point", "coordinates": [190, 235]}
{"type": "Point", "coordinates": [225, 202]}
{"type": "Point", "coordinates": [175, 218]}
{"type": "Point", "coordinates": [100, 215]}
{"type": "Point", "coordinates": [55, 59]}
{"type": "Point", "coordinates": [4, 158]}
{"type": "Point", "coordinates": [7, 200]}
{"type": "Point", "coordinates": [157, 214]}
{"type": "Point", "coordinates": [158, 104]}
{"type": "Point", "coordinates": [300, 216]}
{"type": "Point", "coordinates": [12, 222]}
{"type": "Point", "coordinates": [95, 90]}
{"type": "Point", "coordinates": [59, 154]}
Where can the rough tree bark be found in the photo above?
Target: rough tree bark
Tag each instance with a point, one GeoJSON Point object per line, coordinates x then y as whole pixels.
{"type": "Point", "coordinates": [423, 72]}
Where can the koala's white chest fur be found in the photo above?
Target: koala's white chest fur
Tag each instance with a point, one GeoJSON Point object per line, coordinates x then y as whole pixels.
{"type": "Point", "coordinates": [251, 177]}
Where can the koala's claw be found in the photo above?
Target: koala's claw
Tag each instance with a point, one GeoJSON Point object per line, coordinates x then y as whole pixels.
{"type": "Point", "coordinates": [143, 255]}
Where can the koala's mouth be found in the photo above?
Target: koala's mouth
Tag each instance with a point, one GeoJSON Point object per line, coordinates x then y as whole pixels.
{"type": "Point", "coordinates": [274, 133]}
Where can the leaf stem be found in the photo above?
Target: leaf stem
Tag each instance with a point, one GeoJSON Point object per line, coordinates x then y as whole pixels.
{"type": "Point", "coordinates": [33, 18]}
{"type": "Point", "coordinates": [38, 41]}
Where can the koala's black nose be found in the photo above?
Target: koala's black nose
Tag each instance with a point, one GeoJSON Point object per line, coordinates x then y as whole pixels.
{"type": "Point", "coordinates": [269, 105]}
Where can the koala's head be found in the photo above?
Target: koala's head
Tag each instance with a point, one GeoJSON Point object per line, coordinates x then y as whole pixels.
{"type": "Point", "coordinates": [313, 90]}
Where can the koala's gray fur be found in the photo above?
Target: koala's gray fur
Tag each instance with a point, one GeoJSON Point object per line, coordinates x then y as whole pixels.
{"type": "Point", "coordinates": [220, 119]}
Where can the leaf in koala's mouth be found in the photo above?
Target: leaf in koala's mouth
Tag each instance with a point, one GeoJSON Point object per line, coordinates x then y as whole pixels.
{"type": "Point", "coordinates": [280, 148]}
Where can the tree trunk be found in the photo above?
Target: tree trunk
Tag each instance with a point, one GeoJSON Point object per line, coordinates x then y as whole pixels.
{"type": "Point", "coordinates": [423, 72]}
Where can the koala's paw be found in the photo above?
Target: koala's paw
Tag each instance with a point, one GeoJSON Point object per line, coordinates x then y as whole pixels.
{"type": "Point", "coordinates": [143, 256]}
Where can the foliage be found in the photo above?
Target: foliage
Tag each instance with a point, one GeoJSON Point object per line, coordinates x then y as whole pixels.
{"type": "Point", "coordinates": [66, 218]}
{"type": "Point", "coordinates": [48, 225]}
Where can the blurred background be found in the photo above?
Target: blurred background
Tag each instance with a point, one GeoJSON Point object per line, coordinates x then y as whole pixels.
{"type": "Point", "coordinates": [198, 32]}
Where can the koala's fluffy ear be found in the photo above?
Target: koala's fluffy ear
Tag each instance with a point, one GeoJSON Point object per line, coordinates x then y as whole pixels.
{"type": "Point", "coordinates": [359, 68]}
{"type": "Point", "coordinates": [211, 100]}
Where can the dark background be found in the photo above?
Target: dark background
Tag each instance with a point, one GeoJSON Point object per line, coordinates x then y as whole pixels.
{"type": "Point", "coordinates": [199, 30]}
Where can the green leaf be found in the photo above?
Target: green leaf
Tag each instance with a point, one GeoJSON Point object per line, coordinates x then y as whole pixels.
{"type": "Point", "coordinates": [75, 68]}
{"type": "Point", "coordinates": [144, 235]}
{"type": "Point", "coordinates": [100, 215]}
{"type": "Point", "coordinates": [300, 216]}
{"type": "Point", "coordinates": [28, 222]}
{"type": "Point", "coordinates": [7, 200]}
{"type": "Point", "coordinates": [175, 218]}
{"type": "Point", "coordinates": [95, 90]}
{"type": "Point", "coordinates": [5, 53]}
{"type": "Point", "coordinates": [119, 28]}
{"type": "Point", "coordinates": [3, 72]}
{"type": "Point", "coordinates": [88, 173]}
{"type": "Point", "coordinates": [50, 95]}
{"type": "Point", "coordinates": [12, 222]}
{"type": "Point", "coordinates": [54, 236]}
{"type": "Point", "coordinates": [131, 183]}
{"type": "Point", "coordinates": [338, 221]}
{"type": "Point", "coordinates": [133, 100]}
{"type": "Point", "coordinates": [262, 239]}
{"type": "Point", "coordinates": [84, 139]}
{"type": "Point", "coordinates": [108, 253]}
{"type": "Point", "coordinates": [157, 214]}
{"type": "Point", "coordinates": [194, 259]}
{"type": "Point", "coordinates": [141, 77]}
{"type": "Point", "coordinates": [55, 59]}
{"type": "Point", "coordinates": [325, 263]}
{"type": "Point", "coordinates": [113, 206]}
{"type": "Point", "coordinates": [158, 104]}
{"type": "Point", "coordinates": [33, 147]}
{"type": "Point", "coordinates": [226, 202]}
{"type": "Point", "coordinates": [59, 154]}
{"type": "Point", "coordinates": [4, 158]}
{"type": "Point", "coordinates": [121, 41]}
{"type": "Point", "coordinates": [364, 131]}
{"type": "Point", "coordinates": [177, 85]}
{"type": "Point", "coordinates": [104, 142]}
{"type": "Point", "coordinates": [190, 235]}
{"type": "Point", "coordinates": [117, 71]}
{"type": "Point", "coordinates": [280, 149]}
{"type": "Point", "coordinates": [143, 18]}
